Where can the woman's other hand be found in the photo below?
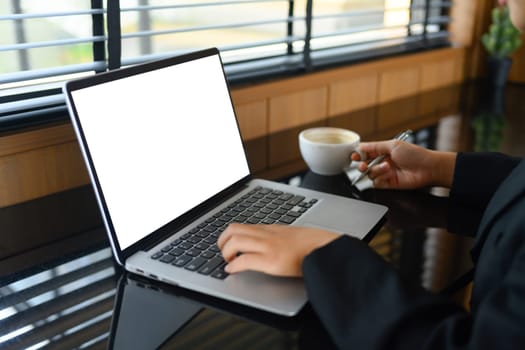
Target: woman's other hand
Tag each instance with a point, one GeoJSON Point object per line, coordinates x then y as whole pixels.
{"type": "Point", "coordinates": [406, 166]}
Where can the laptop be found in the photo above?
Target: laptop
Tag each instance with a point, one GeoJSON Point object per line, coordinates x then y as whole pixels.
{"type": "Point", "coordinates": [168, 167]}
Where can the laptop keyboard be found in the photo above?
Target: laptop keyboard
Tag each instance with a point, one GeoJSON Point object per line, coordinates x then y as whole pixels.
{"type": "Point", "coordinates": [197, 249]}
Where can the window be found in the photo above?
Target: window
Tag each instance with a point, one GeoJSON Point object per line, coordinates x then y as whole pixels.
{"type": "Point", "coordinates": [47, 42]}
{"type": "Point", "coordinates": [44, 43]}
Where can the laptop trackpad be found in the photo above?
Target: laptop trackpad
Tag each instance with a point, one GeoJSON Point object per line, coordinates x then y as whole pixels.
{"type": "Point", "coordinates": [325, 226]}
{"type": "Point", "coordinates": [334, 228]}
{"type": "Point", "coordinates": [351, 217]}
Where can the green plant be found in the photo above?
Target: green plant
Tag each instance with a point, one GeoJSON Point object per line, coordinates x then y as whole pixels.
{"type": "Point", "coordinates": [503, 38]}
{"type": "Point", "coordinates": [488, 131]}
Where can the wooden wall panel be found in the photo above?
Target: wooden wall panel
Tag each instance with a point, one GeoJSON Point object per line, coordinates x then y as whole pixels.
{"type": "Point", "coordinates": [460, 67]}
{"type": "Point", "coordinates": [283, 147]}
{"type": "Point", "coordinates": [38, 172]}
{"type": "Point", "coordinates": [396, 113]}
{"type": "Point", "coordinates": [438, 74]}
{"type": "Point", "coordinates": [439, 101]}
{"type": "Point", "coordinates": [43, 161]}
{"type": "Point", "coordinates": [299, 108]}
{"type": "Point", "coordinates": [353, 94]}
{"type": "Point", "coordinates": [252, 118]}
{"type": "Point", "coordinates": [26, 141]}
{"type": "Point", "coordinates": [398, 82]}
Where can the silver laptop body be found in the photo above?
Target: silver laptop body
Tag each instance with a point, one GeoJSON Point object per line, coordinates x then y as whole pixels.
{"type": "Point", "coordinates": [165, 156]}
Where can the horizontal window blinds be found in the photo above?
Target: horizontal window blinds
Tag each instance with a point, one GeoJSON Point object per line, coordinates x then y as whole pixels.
{"type": "Point", "coordinates": [46, 43]}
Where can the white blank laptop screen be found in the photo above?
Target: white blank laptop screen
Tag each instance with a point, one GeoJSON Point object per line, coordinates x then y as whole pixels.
{"type": "Point", "coordinates": [162, 142]}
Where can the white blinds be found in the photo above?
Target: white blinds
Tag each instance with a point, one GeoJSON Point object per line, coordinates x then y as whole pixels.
{"type": "Point", "coordinates": [47, 42]}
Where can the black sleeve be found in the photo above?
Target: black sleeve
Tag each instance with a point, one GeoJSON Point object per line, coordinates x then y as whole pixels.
{"type": "Point", "coordinates": [364, 304]}
{"type": "Point", "coordinates": [478, 175]}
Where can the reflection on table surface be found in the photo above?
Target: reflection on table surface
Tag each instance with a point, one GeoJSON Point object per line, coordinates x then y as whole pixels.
{"type": "Point", "coordinates": [87, 301]}
{"type": "Point", "coordinates": [61, 289]}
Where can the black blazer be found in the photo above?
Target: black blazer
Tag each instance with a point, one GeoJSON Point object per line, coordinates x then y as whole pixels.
{"type": "Point", "coordinates": [364, 304]}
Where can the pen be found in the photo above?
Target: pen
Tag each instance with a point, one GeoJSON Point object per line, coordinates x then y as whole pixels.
{"type": "Point", "coordinates": [401, 136]}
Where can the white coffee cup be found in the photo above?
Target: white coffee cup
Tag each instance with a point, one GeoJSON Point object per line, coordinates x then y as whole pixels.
{"type": "Point", "coordinates": [326, 150]}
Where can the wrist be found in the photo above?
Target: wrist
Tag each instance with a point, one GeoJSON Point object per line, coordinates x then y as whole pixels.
{"type": "Point", "coordinates": [443, 168]}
